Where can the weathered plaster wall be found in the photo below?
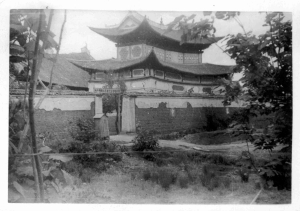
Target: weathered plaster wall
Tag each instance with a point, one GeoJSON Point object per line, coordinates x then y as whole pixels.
{"type": "Point", "coordinates": [66, 103]}
{"type": "Point", "coordinates": [182, 102]}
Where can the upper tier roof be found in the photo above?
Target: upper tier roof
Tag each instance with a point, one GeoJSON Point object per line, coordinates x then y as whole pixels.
{"type": "Point", "coordinates": [136, 28]}
{"type": "Point", "coordinates": [151, 61]}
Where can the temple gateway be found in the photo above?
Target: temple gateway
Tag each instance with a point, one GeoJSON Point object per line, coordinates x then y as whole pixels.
{"type": "Point", "coordinates": [167, 84]}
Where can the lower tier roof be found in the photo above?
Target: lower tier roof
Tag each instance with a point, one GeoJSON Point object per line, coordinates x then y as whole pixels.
{"type": "Point", "coordinates": [151, 61]}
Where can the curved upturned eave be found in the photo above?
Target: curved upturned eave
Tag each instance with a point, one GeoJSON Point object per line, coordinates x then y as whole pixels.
{"type": "Point", "coordinates": [151, 59]}
{"type": "Point", "coordinates": [114, 34]}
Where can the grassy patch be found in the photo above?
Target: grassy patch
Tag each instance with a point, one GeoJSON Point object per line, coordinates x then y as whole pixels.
{"type": "Point", "coordinates": [209, 138]}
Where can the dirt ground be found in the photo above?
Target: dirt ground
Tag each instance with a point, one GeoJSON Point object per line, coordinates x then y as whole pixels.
{"type": "Point", "coordinates": [124, 184]}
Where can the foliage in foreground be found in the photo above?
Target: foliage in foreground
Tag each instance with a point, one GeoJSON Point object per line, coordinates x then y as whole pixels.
{"type": "Point", "coordinates": [266, 86]}
{"type": "Point", "coordinates": [82, 130]}
{"type": "Point", "coordinates": [101, 155]}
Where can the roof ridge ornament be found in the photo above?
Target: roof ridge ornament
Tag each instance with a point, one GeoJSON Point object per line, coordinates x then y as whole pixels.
{"type": "Point", "coordinates": [161, 21]}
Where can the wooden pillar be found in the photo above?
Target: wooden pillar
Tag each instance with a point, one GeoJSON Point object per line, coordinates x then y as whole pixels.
{"type": "Point", "coordinates": [128, 115]}
{"type": "Point", "coordinates": [119, 114]}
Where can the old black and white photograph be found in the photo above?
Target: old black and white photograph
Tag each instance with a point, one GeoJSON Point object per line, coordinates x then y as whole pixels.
{"type": "Point", "coordinates": [149, 106]}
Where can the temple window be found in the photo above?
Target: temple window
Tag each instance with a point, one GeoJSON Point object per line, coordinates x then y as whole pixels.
{"type": "Point", "coordinates": [159, 53]}
{"type": "Point", "coordinates": [159, 73]}
{"type": "Point", "coordinates": [138, 72]}
{"type": "Point", "coordinates": [124, 53]}
{"type": "Point", "coordinates": [178, 88]}
{"type": "Point", "coordinates": [190, 78]}
{"type": "Point", "coordinates": [173, 76]}
{"type": "Point", "coordinates": [147, 72]}
{"type": "Point", "coordinates": [115, 75]}
{"type": "Point", "coordinates": [126, 74]}
{"type": "Point", "coordinates": [100, 75]}
{"type": "Point", "coordinates": [207, 90]}
{"type": "Point", "coordinates": [207, 79]}
{"type": "Point", "coordinates": [136, 51]}
{"type": "Point", "coordinates": [190, 58]}
{"type": "Point", "coordinates": [180, 58]}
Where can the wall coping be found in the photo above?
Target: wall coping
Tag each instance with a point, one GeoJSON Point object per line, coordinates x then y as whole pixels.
{"type": "Point", "coordinates": [66, 93]}
{"type": "Point", "coordinates": [52, 92]}
{"type": "Point", "coordinates": [172, 95]}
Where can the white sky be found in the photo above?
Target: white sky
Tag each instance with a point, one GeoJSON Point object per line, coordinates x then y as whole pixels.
{"type": "Point", "coordinates": [77, 34]}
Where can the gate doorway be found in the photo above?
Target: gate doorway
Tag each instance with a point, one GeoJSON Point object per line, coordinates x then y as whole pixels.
{"type": "Point", "coordinates": [108, 103]}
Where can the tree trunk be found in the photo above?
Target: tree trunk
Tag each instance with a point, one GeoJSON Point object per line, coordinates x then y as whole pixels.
{"type": "Point", "coordinates": [37, 60]}
{"type": "Point", "coordinates": [31, 111]}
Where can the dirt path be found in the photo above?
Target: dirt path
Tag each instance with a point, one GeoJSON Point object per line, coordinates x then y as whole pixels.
{"type": "Point", "coordinates": [233, 147]}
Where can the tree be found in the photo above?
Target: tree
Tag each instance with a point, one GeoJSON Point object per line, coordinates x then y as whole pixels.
{"type": "Point", "coordinates": [266, 86]}
{"type": "Point", "coordinates": [265, 62]}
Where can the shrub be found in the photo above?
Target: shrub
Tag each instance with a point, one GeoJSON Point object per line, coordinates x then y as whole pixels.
{"type": "Point", "coordinates": [183, 179]}
{"type": "Point", "coordinates": [72, 167]}
{"type": "Point", "coordinates": [53, 140]}
{"type": "Point", "coordinates": [241, 116]}
{"type": "Point", "coordinates": [192, 172]}
{"type": "Point", "coordinates": [213, 121]}
{"type": "Point", "coordinates": [154, 176]}
{"type": "Point", "coordinates": [244, 174]}
{"type": "Point", "coordinates": [179, 158]}
{"type": "Point", "coordinates": [159, 161]}
{"type": "Point", "coordinates": [82, 130]}
{"type": "Point", "coordinates": [146, 141]}
{"type": "Point", "coordinates": [278, 171]}
{"type": "Point", "coordinates": [209, 178]}
{"type": "Point", "coordinates": [146, 174]}
{"type": "Point", "coordinates": [218, 159]}
{"type": "Point", "coordinates": [86, 174]}
{"type": "Point", "coordinates": [166, 178]}
{"type": "Point", "coordinates": [225, 182]}
{"type": "Point", "coordinates": [98, 162]}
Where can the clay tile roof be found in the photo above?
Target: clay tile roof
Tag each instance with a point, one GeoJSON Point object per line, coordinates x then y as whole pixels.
{"type": "Point", "coordinates": [117, 31]}
{"type": "Point", "coordinates": [65, 73]}
{"type": "Point", "coordinates": [114, 64]}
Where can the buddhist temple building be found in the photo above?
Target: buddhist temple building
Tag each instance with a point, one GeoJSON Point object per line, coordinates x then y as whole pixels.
{"type": "Point", "coordinates": [167, 83]}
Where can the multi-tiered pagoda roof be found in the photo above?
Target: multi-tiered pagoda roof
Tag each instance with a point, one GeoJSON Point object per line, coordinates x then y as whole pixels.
{"type": "Point", "coordinates": [142, 43]}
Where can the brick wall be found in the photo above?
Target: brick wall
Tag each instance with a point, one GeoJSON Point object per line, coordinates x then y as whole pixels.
{"type": "Point", "coordinates": [164, 120]}
{"type": "Point", "coordinates": [58, 121]}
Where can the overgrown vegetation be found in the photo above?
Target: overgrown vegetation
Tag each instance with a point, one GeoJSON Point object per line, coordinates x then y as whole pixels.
{"type": "Point", "coordinates": [30, 36]}
{"type": "Point", "coordinates": [145, 141]}
{"type": "Point", "coordinates": [98, 156]}
{"type": "Point", "coordinates": [213, 120]}
{"type": "Point", "coordinates": [266, 86]}
{"type": "Point", "coordinates": [82, 130]}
